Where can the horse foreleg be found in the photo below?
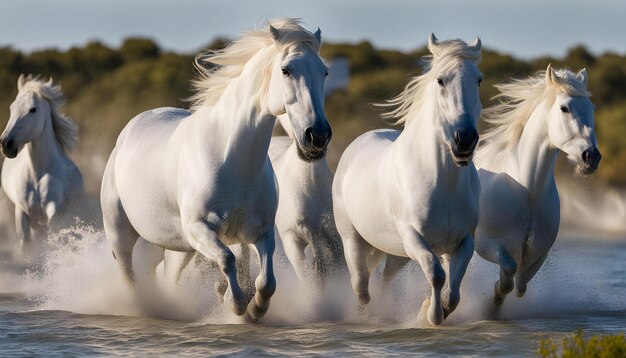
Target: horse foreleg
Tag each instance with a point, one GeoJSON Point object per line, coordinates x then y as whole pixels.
{"type": "Point", "coordinates": [457, 265]}
{"type": "Point", "coordinates": [243, 270]}
{"type": "Point", "coordinates": [524, 276]}
{"type": "Point", "coordinates": [418, 250]}
{"type": "Point", "coordinates": [294, 249]}
{"type": "Point", "coordinates": [357, 251]}
{"type": "Point", "coordinates": [206, 241]}
{"type": "Point", "coordinates": [265, 282]}
{"type": "Point", "coordinates": [22, 225]}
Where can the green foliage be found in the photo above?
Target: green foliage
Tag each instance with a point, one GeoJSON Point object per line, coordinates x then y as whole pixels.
{"type": "Point", "coordinates": [576, 346]}
{"type": "Point", "coordinates": [136, 48]}
{"type": "Point", "coordinates": [106, 87]}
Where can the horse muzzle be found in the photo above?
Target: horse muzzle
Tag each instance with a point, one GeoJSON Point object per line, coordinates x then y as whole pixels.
{"type": "Point", "coordinates": [465, 141]}
{"type": "Point", "coordinates": [9, 148]}
{"type": "Point", "coordinates": [315, 143]}
{"type": "Point", "coordinates": [591, 158]}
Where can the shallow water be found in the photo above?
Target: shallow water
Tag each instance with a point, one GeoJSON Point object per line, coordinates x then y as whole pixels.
{"type": "Point", "coordinates": [74, 303]}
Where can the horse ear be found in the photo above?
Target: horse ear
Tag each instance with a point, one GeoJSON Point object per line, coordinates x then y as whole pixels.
{"type": "Point", "coordinates": [20, 82]}
{"type": "Point", "coordinates": [582, 76]}
{"type": "Point", "coordinates": [318, 35]}
{"type": "Point", "coordinates": [477, 44]}
{"type": "Point", "coordinates": [275, 33]}
{"type": "Point", "coordinates": [549, 74]}
{"type": "Point", "coordinates": [432, 43]}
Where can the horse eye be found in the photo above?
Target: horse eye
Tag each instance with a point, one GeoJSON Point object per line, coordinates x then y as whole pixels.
{"type": "Point", "coordinates": [326, 74]}
{"type": "Point", "coordinates": [564, 109]}
{"type": "Point", "coordinates": [33, 110]}
{"type": "Point", "coordinates": [286, 72]}
{"type": "Point", "coordinates": [480, 80]}
{"type": "Point", "coordinates": [440, 82]}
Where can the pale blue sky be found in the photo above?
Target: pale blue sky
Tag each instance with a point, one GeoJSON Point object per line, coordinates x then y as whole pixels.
{"type": "Point", "coordinates": [525, 28]}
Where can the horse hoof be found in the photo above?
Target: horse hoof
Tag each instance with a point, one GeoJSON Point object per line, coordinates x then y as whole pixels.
{"type": "Point", "coordinates": [434, 316]}
{"type": "Point", "coordinates": [364, 298]}
{"type": "Point", "coordinates": [237, 302]}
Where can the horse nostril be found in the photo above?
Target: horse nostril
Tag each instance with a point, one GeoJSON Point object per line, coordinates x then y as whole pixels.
{"type": "Point", "coordinates": [466, 139]}
{"type": "Point", "coordinates": [308, 135]}
{"type": "Point", "coordinates": [9, 144]}
{"type": "Point", "coordinates": [328, 137]}
{"type": "Point", "coordinates": [586, 155]}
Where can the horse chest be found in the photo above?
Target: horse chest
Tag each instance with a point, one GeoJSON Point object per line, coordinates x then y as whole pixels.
{"type": "Point", "coordinates": [442, 216]}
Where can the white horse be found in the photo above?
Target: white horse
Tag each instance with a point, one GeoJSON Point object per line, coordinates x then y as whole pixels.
{"type": "Point", "coordinates": [38, 176]}
{"type": "Point", "coordinates": [202, 180]}
{"type": "Point", "coordinates": [305, 208]}
{"type": "Point", "coordinates": [519, 207]}
{"type": "Point", "coordinates": [414, 193]}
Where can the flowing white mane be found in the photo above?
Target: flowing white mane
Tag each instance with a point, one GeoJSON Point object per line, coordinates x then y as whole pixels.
{"type": "Point", "coordinates": [231, 61]}
{"type": "Point", "coordinates": [65, 129]}
{"type": "Point", "coordinates": [518, 100]}
{"type": "Point", "coordinates": [409, 102]}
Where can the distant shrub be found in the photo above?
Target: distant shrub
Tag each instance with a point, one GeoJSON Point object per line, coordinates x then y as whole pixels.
{"type": "Point", "coordinates": [577, 346]}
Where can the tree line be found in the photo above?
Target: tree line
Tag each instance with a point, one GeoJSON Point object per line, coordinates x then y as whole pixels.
{"type": "Point", "coordinates": [108, 86]}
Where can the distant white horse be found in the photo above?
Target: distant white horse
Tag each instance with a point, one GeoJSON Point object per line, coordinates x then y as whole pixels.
{"type": "Point", "coordinates": [305, 208]}
{"type": "Point", "coordinates": [202, 180]}
{"type": "Point", "coordinates": [519, 207]}
{"type": "Point", "coordinates": [415, 192]}
{"type": "Point", "coordinates": [38, 176]}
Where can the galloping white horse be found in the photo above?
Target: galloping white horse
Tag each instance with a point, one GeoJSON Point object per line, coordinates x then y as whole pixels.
{"type": "Point", "coordinates": [305, 212]}
{"type": "Point", "coordinates": [39, 177]}
{"type": "Point", "coordinates": [415, 192]}
{"type": "Point", "coordinates": [519, 207]}
{"type": "Point", "coordinates": [202, 180]}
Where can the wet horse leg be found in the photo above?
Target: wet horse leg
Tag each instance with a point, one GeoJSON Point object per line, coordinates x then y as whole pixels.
{"type": "Point", "coordinates": [22, 224]}
{"type": "Point", "coordinates": [206, 241]}
{"type": "Point", "coordinates": [265, 282]}
{"type": "Point", "coordinates": [525, 275]}
{"type": "Point", "coordinates": [294, 248]}
{"type": "Point", "coordinates": [457, 265]}
{"type": "Point", "coordinates": [418, 250]}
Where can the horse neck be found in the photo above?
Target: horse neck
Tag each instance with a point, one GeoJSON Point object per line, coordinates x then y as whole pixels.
{"type": "Point", "coordinates": [45, 149]}
{"type": "Point", "coordinates": [242, 131]}
{"type": "Point", "coordinates": [535, 155]}
{"type": "Point", "coordinates": [313, 176]}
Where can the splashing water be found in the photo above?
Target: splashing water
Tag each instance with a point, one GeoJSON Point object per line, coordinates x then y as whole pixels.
{"type": "Point", "coordinates": [78, 274]}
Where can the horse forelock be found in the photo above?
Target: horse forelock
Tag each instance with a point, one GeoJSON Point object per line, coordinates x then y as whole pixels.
{"type": "Point", "coordinates": [445, 56]}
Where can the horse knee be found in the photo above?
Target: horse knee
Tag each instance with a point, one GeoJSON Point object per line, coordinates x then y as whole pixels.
{"type": "Point", "coordinates": [227, 262]}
